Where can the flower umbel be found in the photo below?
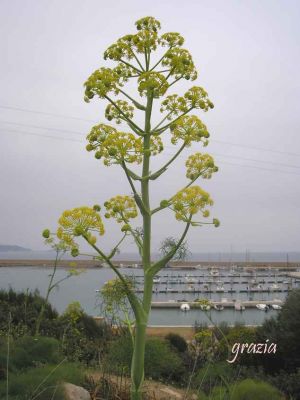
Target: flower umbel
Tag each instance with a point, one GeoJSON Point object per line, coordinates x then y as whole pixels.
{"type": "Point", "coordinates": [122, 208]}
{"type": "Point", "coordinates": [189, 129]}
{"type": "Point", "coordinates": [199, 164]}
{"type": "Point", "coordinates": [190, 201]}
{"type": "Point", "coordinates": [80, 221]}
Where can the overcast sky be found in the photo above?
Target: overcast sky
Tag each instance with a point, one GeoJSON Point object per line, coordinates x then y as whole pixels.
{"type": "Point", "coordinates": [247, 54]}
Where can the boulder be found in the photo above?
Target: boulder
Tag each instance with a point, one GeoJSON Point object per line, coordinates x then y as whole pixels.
{"type": "Point", "coordinates": [73, 392]}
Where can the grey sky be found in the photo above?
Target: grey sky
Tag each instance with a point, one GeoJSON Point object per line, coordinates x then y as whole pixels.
{"type": "Point", "coordinates": [247, 53]}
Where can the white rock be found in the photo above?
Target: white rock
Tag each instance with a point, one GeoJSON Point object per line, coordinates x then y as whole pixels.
{"type": "Point", "coordinates": [73, 392]}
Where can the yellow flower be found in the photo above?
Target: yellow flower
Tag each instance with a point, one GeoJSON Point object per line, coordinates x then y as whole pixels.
{"type": "Point", "coordinates": [114, 146]}
{"type": "Point", "coordinates": [180, 63]}
{"type": "Point", "coordinates": [171, 39]}
{"type": "Point", "coordinates": [200, 164]}
{"type": "Point", "coordinates": [79, 221]}
{"type": "Point", "coordinates": [122, 208]}
{"type": "Point", "coordinates": [117, 114]}
{"type": "Point", "coordinates": [189, 129]}
{"type": "Point", "coordinates": [197, 97]}
{"type": "Point", "coordinates": [101, 82]}
{"type": "Point", "coordinates": [152, 82]}
{"type": "Point", "coordinates": [190, 201]}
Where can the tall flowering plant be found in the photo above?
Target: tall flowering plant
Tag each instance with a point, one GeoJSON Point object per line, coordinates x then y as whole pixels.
{"type": "Point", "coordinates": [155, 63]}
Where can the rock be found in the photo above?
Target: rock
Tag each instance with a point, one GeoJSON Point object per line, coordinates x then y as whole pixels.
{"type": "Point", "coordinates": [73, 392]}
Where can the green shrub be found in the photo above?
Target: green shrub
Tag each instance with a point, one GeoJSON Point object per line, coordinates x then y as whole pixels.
{"type": "Point", "coordinates": [249, 389]}
{"type": "Point", "coordinates": [177, 341]}
{"type": "Point", "coordinates": [161, 361]}
{"type": "Point", "coordinates": [213, 375]}
{"type": "Point", "coordinates": [29, 352]}
{"type": "Point", "coordinates": [24, 308]}
{"type": "Point", "coordinates": [44, 381]}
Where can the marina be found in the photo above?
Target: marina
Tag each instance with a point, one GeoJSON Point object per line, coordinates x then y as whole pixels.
{"type": "Point", "coordinates": [233, 293]}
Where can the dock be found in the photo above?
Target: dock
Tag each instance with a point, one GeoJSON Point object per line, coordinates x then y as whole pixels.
{"type": "Point", "coordinates": [225, 304]}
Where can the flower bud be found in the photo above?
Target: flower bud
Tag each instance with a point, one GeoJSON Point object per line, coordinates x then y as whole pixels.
{"type": "Point", "coordinates": [164, 203]}
{"type": "Point", "coordinates": [74, 252]}
{"type": "Point", "coordinates": [89, 147]}
{"type": "Point", "coordinates": [112, 151]}
{"type": "Point", "coordinates": [96, 207]}
{"type": "Point", "coordinates": [46, 233]}
{"type": "Point", "coordinates": [125, 228]}
{"type": "Point", "coordinates": [98, 155]}
{"type": "Point", "coordinates": [216, 222]}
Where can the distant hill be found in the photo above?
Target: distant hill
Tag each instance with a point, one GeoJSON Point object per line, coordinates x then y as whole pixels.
{"type": "Point", "coordinates": [7, 247]}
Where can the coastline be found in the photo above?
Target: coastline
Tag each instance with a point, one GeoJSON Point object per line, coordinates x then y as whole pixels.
{"type": "Point", "coordinates": [135, 264]}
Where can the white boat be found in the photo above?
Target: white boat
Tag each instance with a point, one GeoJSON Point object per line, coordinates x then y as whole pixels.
{"type": "Point", "coordinates": [220, 289]}
{"type": "Point", "coordinates": [274, 286]}
{"type": "Point", "coordinates": [185, 307]}
{"type": "Point", "coordinates": [191, 288]}
{"type": "Point", "coordinates": [218, 307]}
{"type": "Point", "coordinates": [205, 307]}
{"type": "Point", "coordinates": [156, 279]}
{"type": "Point", "coordinates": [214, 272]}
{"type": "Point", "coordinates": [276, 307]}
{"type": "Point", "coordinates": [190, 279]}
{"type": "Point", "coordinates": [262, 306]}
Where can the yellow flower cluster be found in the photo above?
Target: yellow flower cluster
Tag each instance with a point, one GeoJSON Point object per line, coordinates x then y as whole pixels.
{"type": "Point", "coordinates": [124, 72]}
{"type": "Point", "coordinates": [180, 63]}
{"type": "Point", "coordinates": [171, 39]}
{"type": "Point", "coordinates": [81, 221]}
{"type": "Point", "coordinates": [190, 201]}
{"type": "Point", "coordinates": [174, 105]}
{"type": "Point", "coordinates": [148, 23]}
{"type": "Point", "coordinates": [197, 97]}
{"type": "Point", "coordinates": [114, 146]}
{"type": "Point", "coordinates": [101, 82]}
{"type": "Point", "coordinates": [113, 113]}
{"type": "Point", "coordinates": [189, 128]}
{"type": "Point", "coordinates": [152, 82]}
{"type": "Point", "coordinates": [120, 49]}
{"type": "Point", "coordinates": [122, 208]}
{"type": "Point", "coordinates": [146, 38]}
{"type": "Point", "coordinates": [199, 164]}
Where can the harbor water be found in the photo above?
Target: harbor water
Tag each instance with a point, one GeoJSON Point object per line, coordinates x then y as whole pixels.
{"type": "Point", "coordinates": [176, 285]}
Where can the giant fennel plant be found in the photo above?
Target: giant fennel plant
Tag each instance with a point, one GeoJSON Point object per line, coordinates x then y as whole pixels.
{"type": "Point", "coordinates": [155, 63]}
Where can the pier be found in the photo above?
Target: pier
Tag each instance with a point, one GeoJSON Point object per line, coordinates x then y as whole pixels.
{"type": "Point", "coordinates": [225, 304]}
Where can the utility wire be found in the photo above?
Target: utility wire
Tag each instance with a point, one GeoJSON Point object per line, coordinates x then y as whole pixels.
{"type": "Point", "coordinates": [46, 113]}
{"type": "Point", "coordinates": [89, 120]}
{"type": "Point", "coordinates": [82, 141]}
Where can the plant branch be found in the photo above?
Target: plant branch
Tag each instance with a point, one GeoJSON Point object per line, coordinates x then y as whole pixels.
{"type": "Point", "coordinates": [136, 103]}
{"type": "Point", "coordinates": [131, 66]}
{"type": "Point", "coordinates": [137, 129]}
{"type": "Point", "coordinates": [134, 302]}
{"type": "Point", "coordinates": [156, 174]}
{"type": "Point", "coordinates": [163, 128]}
{"type": "Point", "coordinates": [155, 268]}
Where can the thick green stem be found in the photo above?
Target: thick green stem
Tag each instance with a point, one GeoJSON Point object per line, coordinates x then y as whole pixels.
{"type": "Point", "coordinates": [137, 364]}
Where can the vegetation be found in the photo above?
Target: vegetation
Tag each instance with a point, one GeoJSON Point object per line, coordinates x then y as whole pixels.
{"type": "Point", "coordinates": [76, 344]}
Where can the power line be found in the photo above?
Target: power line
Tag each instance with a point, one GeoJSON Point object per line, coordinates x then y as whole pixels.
{"type": "Point", "coordinates": [42, 127]}
{"type": "Point", "coordinates": [43, 136]}
{"type": "Point", "coordinates": [256, 148]}
{"type": "Point", "coordinates": [82, 141]}
{"type": "Point", "coordinates": [88, 120]}
{"type": "Point", "coordinates": [46, 113]}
